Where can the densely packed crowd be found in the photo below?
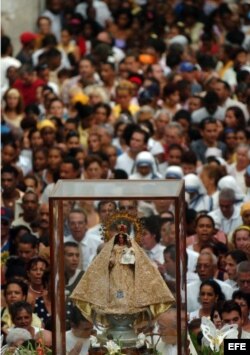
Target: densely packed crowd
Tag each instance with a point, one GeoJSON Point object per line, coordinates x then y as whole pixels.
{"type": "Point", "coordinates": [134, 89]}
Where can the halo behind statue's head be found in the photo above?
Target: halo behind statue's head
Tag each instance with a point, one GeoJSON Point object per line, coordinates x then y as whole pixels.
{"type": "Point", "coordinates": [120, 222]}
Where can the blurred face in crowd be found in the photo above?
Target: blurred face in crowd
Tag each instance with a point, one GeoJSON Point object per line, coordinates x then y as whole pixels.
{"type": "Point", "coordinates": [23, 319]}
{"type": "Point", "coordinates": [227, 207]}
{"type": "Point", "coordinates": [205, 266]}
{"type": "Point", "coordinates": [71, 258]}
{"type": "Point", "coordinates": [207, 297]}
{"type": "Point", "coordinates": [210, 133]}
{"type": "Point", "coordinates": [30, 206]}
{"type": "Point", "coordinates": [56, 108]}
{"type": "Point", "coordinates": [93, 171]}
{"type": "Point", "coordinates": [44, 216]}
{"type": "Point", "coordinates": [77, 225]}
{"type": "Point", "coordinates": [8, 182]}
{"type": "Point", "coordinates": [232, 317]}
{"type": "Point", "coordinates": [204, 229]}
{"type": "Point", "coordinates": [14, 294]}
{"type": "Point", "coordinates": [25, 251]}
{"type": "Point", "coordinates": [243, 280]}
{"type": "Point", "coordinates": [67, 171]}
{"type": "Point", "coordinates": [242, 239]}
{"type": "Point", "coordinates": [137, 143]}
{"type": "Point", "coordinates": [54, 158]}
{"type": "Point", "coordinates": [36, 272]}
{"type": "Point", "coordinates": [231, 267]}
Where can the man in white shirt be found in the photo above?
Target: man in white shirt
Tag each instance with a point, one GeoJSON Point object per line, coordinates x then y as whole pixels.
{"type": "Point", "coordinates": [206, 266]}
{"type": "Point", "coordinates": [77, 222]}
{"type": "Point", "coordinates": [227, 217]}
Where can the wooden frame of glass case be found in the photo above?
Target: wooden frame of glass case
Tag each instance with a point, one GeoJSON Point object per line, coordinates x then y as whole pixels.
{"type": "Point", "coordinates": [114, 190]}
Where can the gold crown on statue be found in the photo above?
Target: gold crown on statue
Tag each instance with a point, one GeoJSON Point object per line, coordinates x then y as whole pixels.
{"type": "Point", "coordinates": [121, 222]}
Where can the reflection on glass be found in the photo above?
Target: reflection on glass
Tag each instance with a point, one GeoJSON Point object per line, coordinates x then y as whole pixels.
{"type": "Point", "coordinates": [84, 223]}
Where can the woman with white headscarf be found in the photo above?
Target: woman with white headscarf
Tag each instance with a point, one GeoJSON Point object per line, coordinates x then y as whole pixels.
{"type": "Point", "coordinates": [230, 182]}
{"type": "Point", "coordinates": [196, 195]}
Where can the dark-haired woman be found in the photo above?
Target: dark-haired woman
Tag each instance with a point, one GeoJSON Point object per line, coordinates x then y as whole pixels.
{"type": "Point", "coordinates": [210, 293]}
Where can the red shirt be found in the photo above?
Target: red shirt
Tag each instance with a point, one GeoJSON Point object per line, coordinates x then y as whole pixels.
{"type": "Point", "coordinates": [28, 92]}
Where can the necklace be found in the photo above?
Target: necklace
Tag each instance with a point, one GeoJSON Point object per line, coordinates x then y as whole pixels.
{"type": "Point", "coordinates": [35, 291]}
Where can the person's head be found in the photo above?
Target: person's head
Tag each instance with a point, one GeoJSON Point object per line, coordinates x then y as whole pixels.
{"type": "Point", "coordinates": [27, 247]}
{"type": "Point", "coordinates": [167, 323]}
{"type": "Point", "coordinates": [44, 25]}
{"type": "Point", "coordinates": [55, 158]}
{"type": "Point", "coordinates": [77, 220]}
{"type": "Point", "coordinates": [71, 257]}
{"type": "Point", "coordinates": [87, 68]}
{"type": "Point", "coordinates": [234, 118]}
{"type": "Point", "coordinates": [36, 268]}
{"type": "Point", "coordinates": [175, 152]}
{"type": "Point", "coordinates": [69, 168]}
{"type": "Point", "coordinates": [105, 208]}
{"type": "Point", "coordinates": [161, 119]}
{"type": "Point", "coordinates": [56, 108]}
{"type": "Point", "coordinates": [93, 167]}
{"type": "Point", "coordinates": [72, 140]}
{"type": "Point", "coordinates": [70, 125]}
{"type": "Point", "coordinates": [138, 141]}
{"type": "Point", "coordinates": [111, 153]}
{"type": "Point", "coordinates": [13, 101]}
{"type": "Point", "coordinates": [21, 314]}
{"type": "Point", "coordinates": [30, 205]}
{"type": "Point", "coordinates": [243, 300]}
{"type": "Point", "coordinates": [40, 159]}
{"type": "Point", "coordinates": [242, 156]}
{"type": "Point", "coordinates": [241, 237]}
{"type": "Point", "coordinates": [121, 239]}
{"type": "Point", "coordinates": [101, 113]}
{"type": "Point", "coordinates": [189, 162]}
{"type": "Point", "coordinates": [167, 231]}
{"type": "Point", "coordinates": [243, 276]}
{"type": "Point", "coordinates": [94, 142]}
{"type": "Point", "coordinates": [194, 103]}
{"type": "Point", "coordinates": [222, 89]}
{"type": "Point", "coordinates": [124, 94]}
{"type": "Point", "coordinates": [226, 202]}
{"type": "Point", "coordinates": [231, 313]}
{"type": "Point", "coordinates": [10, 151]}
{"type": "Point", "coordinates": [233, 258]}
{"type": "Point", "coordinates": [170, 259]}
{"type": "Point", "coordinates": [210, 176]}
{"type": "Point", "coordinates": [35, 138]}
{"type": "Point", "coordinates": [107, 72]}
{"type": "Point", "coordinates": [9, 179]}
{"type": "Point", "coordinates": [129, 206]}
{"type": "Point", "coordinates": [15, 290]}
{"type": "Point", "coordinates": [151, 232]}
{"type": "Point", "coordinates": [209, 130]}
{"type": "Point", "coordinates": [245, 213]}
{"type": "Point", "coordinates": [27, 74]}
{"type": "Point", "coordinates": [204, 228]}
{"type": "Point", "coordinates": [215, 314]}
{"type": "Point", "coordinates": [206, 266]}
{"type": "Point", "coordinates": [48, 132]}
{"type": "Point", "coordinates": [210, 293]}
{"type": "Point", "coordinates": [173, 133]}
{"type": "Point", "coordinates": [81, 327]}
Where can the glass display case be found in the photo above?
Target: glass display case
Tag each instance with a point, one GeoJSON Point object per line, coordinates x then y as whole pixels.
{"type": "Point", "coordinates": [140, 199]}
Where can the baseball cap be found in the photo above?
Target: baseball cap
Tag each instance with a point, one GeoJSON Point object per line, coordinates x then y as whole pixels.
{"type": "Point", "coordinates": [27, 37]}
{"type": "Point", "coordinates": [6, 214]}
{"type": "Point", "coordinates": [187, 67]}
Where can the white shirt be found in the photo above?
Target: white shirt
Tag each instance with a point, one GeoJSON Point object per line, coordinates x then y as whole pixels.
{"type": "Point", "coordinates": [225, 224]}
{"type": "Point", "coordinates": [71, 341]}
{"type": "Point", "coordinates": [102, 11]}
{"type": "Point", "coordinates": [125, 163]}
{"type": "Point", "coordinates": [156, 253]}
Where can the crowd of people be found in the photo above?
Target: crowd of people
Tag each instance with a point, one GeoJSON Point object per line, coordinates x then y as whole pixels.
{"type": "Point", "coordinates": [134, 89]}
